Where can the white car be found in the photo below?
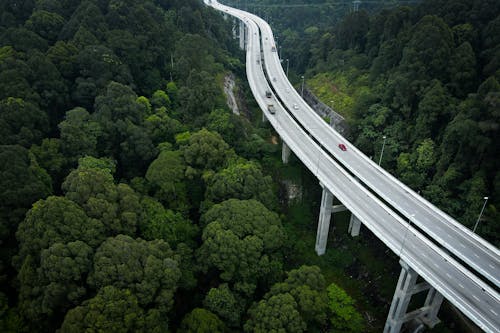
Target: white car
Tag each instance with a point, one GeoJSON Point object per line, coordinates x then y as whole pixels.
{"type": "Point", "coordinates": [295, 106]}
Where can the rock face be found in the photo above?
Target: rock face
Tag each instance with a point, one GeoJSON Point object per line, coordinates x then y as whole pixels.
{"type": "Point", "coordinates": [229, 91]}
{"type": "Point", "coordinates": [336, 120]}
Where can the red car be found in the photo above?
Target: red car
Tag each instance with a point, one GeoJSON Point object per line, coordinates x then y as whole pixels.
{"type": "Point", "coordinates": [342, 147]}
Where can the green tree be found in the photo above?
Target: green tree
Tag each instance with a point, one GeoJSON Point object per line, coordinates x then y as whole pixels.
{"type": "Point", "coordinates": [277, 314]}
{"type": "Point", "coordinates": [228, 125]}
{"type": "Point", "coordinates": [147, 268]}
{"type": "Point", "coordinates": [166, 177]}
{"type": "Point", "coordinates": [307, 286]}
{"type": "Point", "coordinates": [434, 110]}
{"type": "Point", "coordinates": [98, 66]}
{"type": "Point", "coordinates": [159, 223]}
{"type": "Point", "coordinates": [49, 85]}
{"type": "Point", "coordinates": [23, 39]}
{"type": "Point", "coordinates": [242, 181]}
{"type": "Point", "coordinates": [46, 24]}
{"type": "Point", "coordinates": [426, 156]}
{"type": "Point", "coordinates": [21, 122]}
{"type": "Point", "coordinates": [93, 188]}
{"type": "Point", "coordinates": [352, 31]}
{"type": "Point", "coordinates": [115, 110]}
{"type": "Point", "coordinates": [429, 49]}
{"type": "Point", "coordinates": [225, 304]}
{"type": "Point", "coordinates": [206, 150]}
{"type": "Point", "coordinates": [136, 152]}
{"type": "Point", "coordinates": [55, 220]}
{"type": "Point", "coordinates": [199, 96]}
{"type": "Point", "coordinates": [22, 182]}
{"type": "Point", "coordinates": [160, 99]}
{"type": "Point", "coordinates": [50, 157]}
{"type": "Point", "coordinates": [63, 55]}
{"type": "Point", "coordinates": [79, 134]}
{"type": "Point", "coordinates": [56, 284]}
{"type": "Point", "coordinates": [161, 127]}
{"type": "Point", "coordinates": [201, 321]}
{"type": "Point", "coordinates": [88, 16]}
{"type": "Point", "coordinates": [344, 316]}
{"type": "Point", "coordinates": [463, 74]}
{"type": "Point", "coordinates": [111, 310]}
{"type": "Point", "coordinates": [241, 240]}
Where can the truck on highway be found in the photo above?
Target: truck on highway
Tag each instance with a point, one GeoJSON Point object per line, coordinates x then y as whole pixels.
{"type": "Point", "coordinates": [271, 108]}
{"type": "Point", "coordinates": [273, 48]}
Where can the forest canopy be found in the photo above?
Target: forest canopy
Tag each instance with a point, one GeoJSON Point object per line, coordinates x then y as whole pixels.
{"type": "Point", "coordinates": [132, 198]}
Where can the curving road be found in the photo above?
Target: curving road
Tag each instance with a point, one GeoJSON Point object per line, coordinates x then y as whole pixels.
{"type": "Point", "coordinates": [463, 288]}
{"type": "Point", "coordinates": [443, 229]}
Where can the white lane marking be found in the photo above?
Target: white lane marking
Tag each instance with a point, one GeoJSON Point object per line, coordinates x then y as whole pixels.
{"type": "Point", "coordinates": [476, 298]}
{"type": "Point", "coordinates": [448, 275]}
{"type": "Point", "coordinates": [491, 266]}
{"type": "Point", "coordinates": [475, 254]}
{"type": "Point", "coordinates": [462, 245]}
{"type": "Point", "coordinates": [496, 314]}
{"type": "Point", "coordinates": [461, 286]}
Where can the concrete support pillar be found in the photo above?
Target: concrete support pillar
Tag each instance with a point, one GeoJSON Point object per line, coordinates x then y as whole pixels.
{"type": "Point", "coordinates": [405, 289]}
{"type": "Point", "coordinates": [325, 215]}
{"type": "Point", "coordinates": [401, 299]}
{"type": "Point", "coordinates": [285, 153]}
{"type": "Point", "coordinates": [242, 35]}
{"type": "Point", "coordinates": [354, 226]}
{"type": "Point", "coordinates": [432, 305]}
{"type": "Point", "coordinates": [246, 36]}
{"type": "Point", "coordinates": [235, 27]}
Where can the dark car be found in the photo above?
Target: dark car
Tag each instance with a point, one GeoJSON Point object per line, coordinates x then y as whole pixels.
{"type": "Point", "coordinates": [342, 147]}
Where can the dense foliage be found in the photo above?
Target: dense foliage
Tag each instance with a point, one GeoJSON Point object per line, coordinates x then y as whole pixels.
{"type": "Point", "coordinates": [132, 198]}
{"type": "Point", "coordinates": [425, 77]}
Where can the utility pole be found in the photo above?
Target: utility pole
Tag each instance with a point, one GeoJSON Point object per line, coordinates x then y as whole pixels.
{"type": "Point", "coordinates": [480, 214]}
{"type": "Point", "coordinates": [302, 90]}
{"type": "Point", "coordinates": [382, 151]}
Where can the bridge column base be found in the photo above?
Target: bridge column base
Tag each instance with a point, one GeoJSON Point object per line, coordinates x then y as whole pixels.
{"type": "Point", "coordinates": [234, 29]}
{"type": "Point", "coordinates": [405, 288]}
{"type": "Point", "coordinates": [285, 153]}
{"type": "Point", "coordinates": [354, 226]}
{"type": "Point", "coordinates": [242, 35]}
{"type": "Point", "coordinates": [325, 215]}
{"type": "Point", "coordinates": [433, 304]}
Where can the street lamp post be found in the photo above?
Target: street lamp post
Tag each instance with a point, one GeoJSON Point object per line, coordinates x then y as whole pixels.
{"type": "Point", "coordinates": [331, 114]}
{"type": "Point", "coordinates": [480, 214]}
{"type": "Point", "coordinates": [302, 90]}
{"type": "Point", "coordinates": [382, 151]}
{"type": "Point", "coordinates": [287, 65]}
